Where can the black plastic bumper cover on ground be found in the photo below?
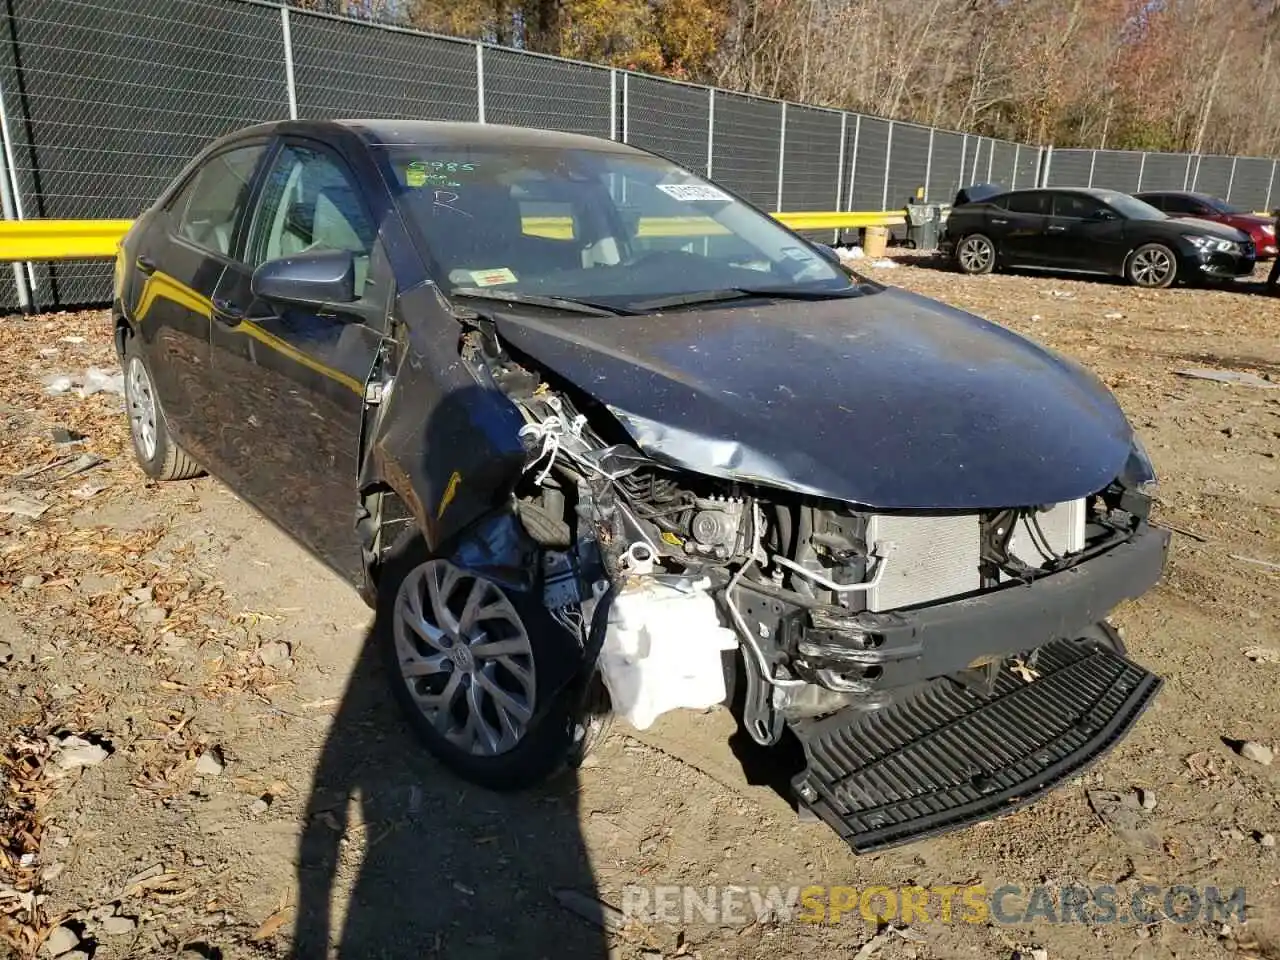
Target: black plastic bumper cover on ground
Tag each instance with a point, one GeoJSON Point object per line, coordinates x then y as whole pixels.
{"type": "Point", "coordinates": [948, 755]}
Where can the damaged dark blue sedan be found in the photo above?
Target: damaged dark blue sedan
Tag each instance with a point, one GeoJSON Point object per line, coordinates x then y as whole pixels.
{"type": "Point", "coordinates": [595, 436]}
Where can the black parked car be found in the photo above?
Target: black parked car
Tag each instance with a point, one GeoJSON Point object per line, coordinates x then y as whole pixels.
{"type": "Point", "coordinates": [1090, 231]}
{"type": "Point", "coordinates": [579, 423]}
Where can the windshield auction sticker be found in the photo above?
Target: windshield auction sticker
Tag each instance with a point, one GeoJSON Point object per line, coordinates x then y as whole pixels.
{"type": "Point", "coordinates": [694, 192]}
{"type": "Point", "coordinates": [492, 278]}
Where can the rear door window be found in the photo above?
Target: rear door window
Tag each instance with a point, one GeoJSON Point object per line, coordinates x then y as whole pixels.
{"type": "Point", "coordinates": [1180, 206]}
{"type": "Point", "coordinates": [1076, 206]}
{"type": "Point", "coordinates": [1028, 203]}
{"type": "Point", "coordinates": [209, 208]}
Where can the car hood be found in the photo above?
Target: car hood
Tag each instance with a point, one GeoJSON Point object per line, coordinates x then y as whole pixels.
{"type": "Point", "coordinates": [888, 400]}
{"type": "Point", "coordinates": [1211, 227]}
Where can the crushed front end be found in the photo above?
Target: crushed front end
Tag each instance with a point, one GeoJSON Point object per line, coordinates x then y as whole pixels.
{"type": "Point", "coordinates": [938, 667]}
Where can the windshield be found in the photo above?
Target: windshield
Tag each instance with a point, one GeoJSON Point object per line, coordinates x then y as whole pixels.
{"type": "Point", "coordinates": [1131, 208]}
{"type": "Point", "coordinates": [597, 225]}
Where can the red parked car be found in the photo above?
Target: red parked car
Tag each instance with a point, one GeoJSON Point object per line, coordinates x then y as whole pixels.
{"type": "Point", "coordinates": [1184, 203]}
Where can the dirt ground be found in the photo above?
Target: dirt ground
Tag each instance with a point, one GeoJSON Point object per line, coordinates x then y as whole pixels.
{"type": "Point", "coordinates": [241, 786]}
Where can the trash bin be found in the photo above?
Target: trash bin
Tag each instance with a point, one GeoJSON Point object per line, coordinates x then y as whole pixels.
{"type": "Point", "coordinates": [924, 221]}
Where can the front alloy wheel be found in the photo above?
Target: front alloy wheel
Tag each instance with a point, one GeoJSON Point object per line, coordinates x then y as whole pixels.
{"type": "Point", "coordinates": [465, 658]}
{"type": "Point", "coordinates": [484, 674]}
{"type": "Point", "coordinates": [1152, 266]}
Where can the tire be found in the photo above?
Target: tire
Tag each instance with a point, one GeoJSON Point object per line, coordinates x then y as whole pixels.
{"type": "Point", "coordinates": [157, 453]}
{"type": "Point", "coordinates": [435, 702]}
{"type": "Point", "coordinates": [1153, 266]}
{"type": "Point", "coordinates": [976, 254]}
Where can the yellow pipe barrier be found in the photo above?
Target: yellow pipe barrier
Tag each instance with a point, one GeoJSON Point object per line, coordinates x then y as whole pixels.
{"type": "Point", "coordinates": [38, 240]}
{"type": "Point", "coordinates": [60, 239]}
{"type": "Point", "coordinates": [841, 221]}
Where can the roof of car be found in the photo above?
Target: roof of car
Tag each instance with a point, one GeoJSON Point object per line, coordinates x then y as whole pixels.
{"type": "Point", "coordinates": [1210, 199]}
{"type": "Point", "coordinates": [1090, 191]}
{"type": "Point", "coordinates": [436, 132]}
{"type": "Point", "coordinates": [400, 132]}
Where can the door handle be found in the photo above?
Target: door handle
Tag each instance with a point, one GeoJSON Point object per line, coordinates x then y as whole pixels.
{"type": "Point", "coordinates": [145, 264]}
{"type": "Point", "coordinates": [1053, 228]}
{"type": "Point", "coordinates": [999, 220]}
{"type": "Point", "coordinates": [226, 312]}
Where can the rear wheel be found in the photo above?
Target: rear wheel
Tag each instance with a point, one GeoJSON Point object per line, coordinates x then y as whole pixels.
{"type": "Point", "coordinates": [471, 665]}
{"type": "Point", "coordinates": [1152, 265]}
{"type": "Point", "coordinates": [157, 453]}
{"type": "Point", "coordinates": [976, 254]}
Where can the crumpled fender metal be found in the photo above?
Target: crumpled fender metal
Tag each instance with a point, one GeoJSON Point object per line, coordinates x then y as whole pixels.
{"type": "Point", "coordinates": [446, 444]}
{"type": "Point", "coordinates": [715, 456]}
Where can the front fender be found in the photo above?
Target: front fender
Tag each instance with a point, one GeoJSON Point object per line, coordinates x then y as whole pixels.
{"type": "Point", "coordinates": [445, 443]}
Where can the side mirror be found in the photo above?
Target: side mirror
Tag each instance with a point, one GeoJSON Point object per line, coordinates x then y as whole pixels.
{"type": "Point", "coordinates": [317, 276]}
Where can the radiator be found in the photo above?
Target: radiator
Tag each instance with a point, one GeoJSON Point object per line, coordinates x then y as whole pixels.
{"type": "Point", "coordinates": [937, 557]}
{"type": "Point", "coordinates": [932, 558]}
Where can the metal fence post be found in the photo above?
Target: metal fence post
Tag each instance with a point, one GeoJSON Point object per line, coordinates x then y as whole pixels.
{"type": "Point", "coordinates": [973, 167]}
{"type": "Point", "coordinates": [1142, 166]}
{"type": "Point", "coordinates": [19, 275]}
{"type": "Point", "coordinates": [1093, 159]}
{"type": "Point", "coordinates": [613, 104]}
{"type": "Point", "coordinates": [1017, 156]}
{"type": "Point", "coordinates": [1231, 180]}
{"type": "Point", "coordinates": [711, 128]}
{"type": "Point", "coordinates": [928, 165]}
{"type": "Point", "coordinates": [480, 82]}
{"type": "Point", "coordinates": [1042, 166]}
{"type": "Point", "coordinates": [844, 129]}
{"type": "Point", "coordinates": [964, 155]}
{"type": "Point", "coordinates": [11, 199]}
{"type": "Point", "coordinates": [991, 158]}
{"type": "Point", "coordinates": [1270, 183]}
{"type": "Point", "coordinates": [853, 167]}
{"type": "Point", "coordinates": [626, 111]}
{"type": "Point", "coordinates": [888, 156]}
{"type": "Point", "coordinates": [782, 152]}
{"type": "Point", "coordinates": [1196, 177]}
{"type": "Point", "coordinates": [291, 89]}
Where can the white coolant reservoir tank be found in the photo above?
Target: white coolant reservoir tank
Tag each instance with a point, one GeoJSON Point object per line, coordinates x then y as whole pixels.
{"type": "Point", "coordinates": [662, 648]}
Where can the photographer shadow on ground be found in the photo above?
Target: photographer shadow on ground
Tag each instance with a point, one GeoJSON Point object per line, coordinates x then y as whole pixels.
{"type": "Point", "coordinates": [399, 858]}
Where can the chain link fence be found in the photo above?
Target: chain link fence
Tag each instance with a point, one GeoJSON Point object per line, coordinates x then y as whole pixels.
{"type": "Point", "coordinates": [102, 102]}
